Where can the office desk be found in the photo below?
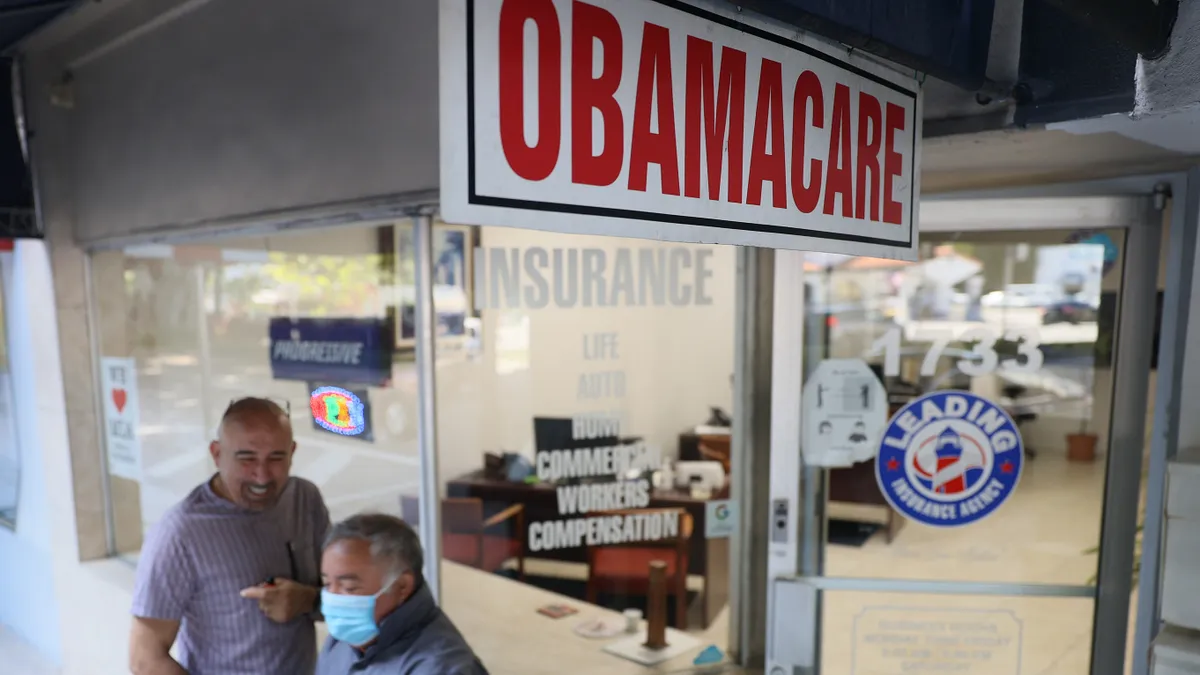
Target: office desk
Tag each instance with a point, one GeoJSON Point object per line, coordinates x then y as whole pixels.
{"type": "Point", "coordinates": [708, 558]}
{"type": "Point", "coordinates": [857, 485]}
{"type": "Point", "coordinates": [499, 618]}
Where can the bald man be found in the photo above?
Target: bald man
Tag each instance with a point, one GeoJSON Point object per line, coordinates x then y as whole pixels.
{"type": "Point", "coordinates": [232, 572]}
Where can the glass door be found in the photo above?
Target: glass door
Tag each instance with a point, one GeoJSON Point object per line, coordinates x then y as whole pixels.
{"type": "Point", "coordinates": [967, 543]}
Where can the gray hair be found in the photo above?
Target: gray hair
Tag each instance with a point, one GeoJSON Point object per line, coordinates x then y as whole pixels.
{"type": "Point", "coordinates": [392, 541]}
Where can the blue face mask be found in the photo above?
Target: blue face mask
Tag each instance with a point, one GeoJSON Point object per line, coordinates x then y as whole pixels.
{"type": "Point", "coordinates": [351, 618]}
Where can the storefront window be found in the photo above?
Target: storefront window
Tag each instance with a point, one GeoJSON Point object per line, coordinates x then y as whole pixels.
{"type": "Point", "coordinates": [584, 394]}
{"type": "Point", "coordinates": [186, 329]}
{"type": "Point", "coordinates": [10, 451]}
{"type": "Point", "coordinates": [1023, 320]}
{"type": "Point", "coordinates": [583, 433]}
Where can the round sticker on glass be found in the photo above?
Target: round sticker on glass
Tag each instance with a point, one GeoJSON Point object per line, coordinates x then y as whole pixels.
{"type": "Point", "coordinates": [337, 410]}
{"type": "Point", "coordinates": [949, 458]}
{"type": "Point", "coordinates": [1101, 239]}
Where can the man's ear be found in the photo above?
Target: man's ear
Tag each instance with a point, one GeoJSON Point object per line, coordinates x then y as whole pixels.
{"type": "Point", "coordinates": [214, 449]}
{"type": "Point", "coordinates": [405, 586]}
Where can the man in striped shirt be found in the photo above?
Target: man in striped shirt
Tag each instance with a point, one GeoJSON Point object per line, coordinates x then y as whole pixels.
{"type": "Point", "coordinates": [233, 571]}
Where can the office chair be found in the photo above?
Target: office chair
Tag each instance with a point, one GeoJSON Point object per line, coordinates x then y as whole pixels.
{"type": "Point", "coordinates": [470, 539]}
{"type": "Point", "coordinates": [625, 568]}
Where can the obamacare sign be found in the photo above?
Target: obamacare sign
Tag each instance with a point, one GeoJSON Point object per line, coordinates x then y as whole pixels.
{"type": "Point", "coordinates": [660, 120]}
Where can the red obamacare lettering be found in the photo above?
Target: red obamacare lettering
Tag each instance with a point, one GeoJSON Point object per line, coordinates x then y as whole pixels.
{"type": "Point", "coordinates": [852, 177]}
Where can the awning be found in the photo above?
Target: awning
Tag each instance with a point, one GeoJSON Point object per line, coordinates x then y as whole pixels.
{"type": "Point", "coordinates": [19, 18]}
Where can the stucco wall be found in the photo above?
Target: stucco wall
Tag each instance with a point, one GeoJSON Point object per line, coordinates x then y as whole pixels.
{"type": "Point", "coordinates": [1172, 82]}
{"type": "Point", "coordinates": [238, 108]}
{"type": "Point", "coordinates": [26, 552]}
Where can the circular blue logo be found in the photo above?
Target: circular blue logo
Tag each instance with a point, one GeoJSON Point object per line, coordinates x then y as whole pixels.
{"type": "Point", "coordinates": [949, 458]}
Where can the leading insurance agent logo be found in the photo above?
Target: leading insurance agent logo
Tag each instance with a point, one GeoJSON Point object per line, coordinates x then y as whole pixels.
{"type": "Point", "coordinates": [949, 458]}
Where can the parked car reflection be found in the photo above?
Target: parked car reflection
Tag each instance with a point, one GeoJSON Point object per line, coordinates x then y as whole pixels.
{"type": "Point", "coordinates": [1070, 310]}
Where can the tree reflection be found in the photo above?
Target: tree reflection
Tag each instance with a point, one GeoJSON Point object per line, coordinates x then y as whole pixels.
{"type": "Point", "coordinates": [321, 285]}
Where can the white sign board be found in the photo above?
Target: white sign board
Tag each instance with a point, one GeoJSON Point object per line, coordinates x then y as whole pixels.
{"type": "Point", "coordinates": [661, 120]}
{"type": "Point", "coordinates": [118, 381]}
{"type": "Point", "coordinates": [720, 516]}
{"type": "Point", "coordinates": [845, 411]}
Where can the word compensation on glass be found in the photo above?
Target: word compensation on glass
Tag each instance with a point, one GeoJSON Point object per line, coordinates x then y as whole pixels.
{"type": "Point", "coordinates": [626, 466]}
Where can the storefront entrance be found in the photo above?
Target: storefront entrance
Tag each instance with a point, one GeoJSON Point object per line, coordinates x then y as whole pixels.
{"type": "Point", "coordinates": [570, 430]}
{"type": "Point", "coordinates": [964, 554]}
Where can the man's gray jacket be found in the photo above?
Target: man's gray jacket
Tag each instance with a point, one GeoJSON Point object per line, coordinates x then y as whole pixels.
{"type": "Point", "coordinates": [416, 639]}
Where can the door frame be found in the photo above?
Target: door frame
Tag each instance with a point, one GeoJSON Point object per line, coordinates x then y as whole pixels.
{"type": "Point", "coordinates": [1179, 256]}
{"type": "Point", "coordinates": [796, 562]}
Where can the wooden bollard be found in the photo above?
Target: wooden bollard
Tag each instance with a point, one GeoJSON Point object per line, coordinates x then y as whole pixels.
{"type": "Point", "coordinates": [656, 607]}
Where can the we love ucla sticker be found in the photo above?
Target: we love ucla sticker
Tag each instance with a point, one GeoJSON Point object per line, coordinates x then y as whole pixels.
{"type": "Point", "coordinates": [949, 458]}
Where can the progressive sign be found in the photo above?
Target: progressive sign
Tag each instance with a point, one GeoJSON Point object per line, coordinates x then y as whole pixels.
{"type": "Point", "coordinates": [660, 120]}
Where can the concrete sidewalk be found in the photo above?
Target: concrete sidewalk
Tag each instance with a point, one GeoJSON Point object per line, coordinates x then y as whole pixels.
{"type": "Point", "coordinates": [22, 659]}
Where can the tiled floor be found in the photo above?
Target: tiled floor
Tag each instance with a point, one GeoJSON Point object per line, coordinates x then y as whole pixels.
{"type": "Point", "coordinates": [1038, 537]}
{"type": "Point", "coordinates": [20, 658]}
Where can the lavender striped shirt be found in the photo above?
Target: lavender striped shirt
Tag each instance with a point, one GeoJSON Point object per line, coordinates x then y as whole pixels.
{"type": "Point", "coordinates": [204, 551]}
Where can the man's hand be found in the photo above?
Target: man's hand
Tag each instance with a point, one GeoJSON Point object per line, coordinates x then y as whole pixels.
{"type": "Point", "coordinates": [284, 600]}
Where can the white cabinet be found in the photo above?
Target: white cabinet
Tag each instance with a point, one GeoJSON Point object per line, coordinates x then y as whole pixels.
{"type": "Point", "coordinates": [1183, 486]}
{"type": "Point", "coordinates": [1181, 573]}
{"type": "Point", "coordinates": [1176, 651]}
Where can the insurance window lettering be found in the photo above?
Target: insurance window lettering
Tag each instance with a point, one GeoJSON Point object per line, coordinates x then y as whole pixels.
{"type": "Point", "coordinates": [583, 441]}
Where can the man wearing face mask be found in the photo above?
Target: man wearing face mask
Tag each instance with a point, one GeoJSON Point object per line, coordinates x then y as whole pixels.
{"type": "Point", "coordinates": [381, 616]}
{"type": "Point", "coordinates": [233, 571]}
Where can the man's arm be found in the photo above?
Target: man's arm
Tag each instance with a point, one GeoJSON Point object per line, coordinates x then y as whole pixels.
{"type": "Point", "coordinates": [163, 590]}
{"type": "Point", "coordinates": [150, 643]}
{"type": "Point", "coordinates": [284, 600]}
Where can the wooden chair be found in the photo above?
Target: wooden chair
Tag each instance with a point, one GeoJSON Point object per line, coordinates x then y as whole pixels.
{"type": "Point", "coordinates": [626, 568]}
{"type": "Point", "coordinates": [470, 539]}
{"type": "Point", "coordinates": [715, 448]}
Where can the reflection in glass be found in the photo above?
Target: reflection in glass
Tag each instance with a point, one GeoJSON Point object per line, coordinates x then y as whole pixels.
{"type": "Point", "coordinates": [578, 442]}
{"type": "Point", "coordinates": [1012, 317]}
{"type": "Point", "coordinates": [197, 321]}
{"type": "Point", "coordinates": [10, 451]}
{"type": "Point", "coordinates": [453, 267]}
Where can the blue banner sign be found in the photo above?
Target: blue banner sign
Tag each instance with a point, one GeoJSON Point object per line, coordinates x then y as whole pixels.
{"type": "Point", "coordinates": [352, 351]}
